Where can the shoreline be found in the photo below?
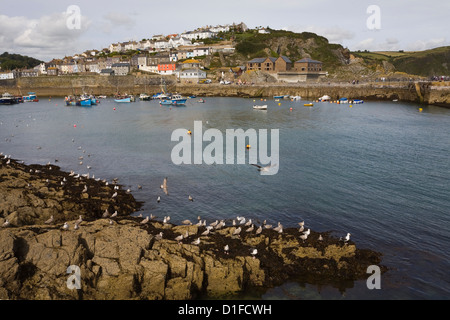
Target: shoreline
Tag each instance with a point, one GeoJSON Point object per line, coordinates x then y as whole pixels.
{"type": "Point", "coordinates": [126, 260]}
{"type": "Point", "coordinates": [427, 92]}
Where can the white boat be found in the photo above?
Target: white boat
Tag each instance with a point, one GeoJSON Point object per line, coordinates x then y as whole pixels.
{"type": "Point", "coordinates": [295, 98]}
{"type": "Point", "coordinates": [325, 98]}
{"type": "Point", "coordinates": [263, 107]}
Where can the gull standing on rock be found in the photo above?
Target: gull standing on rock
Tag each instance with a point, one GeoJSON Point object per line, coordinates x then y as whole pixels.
{"type": "Point", "coordinates": [226, 249]}
{"type": "Point", "coordinates": [50, 220]}
{"type": "Point", "coordinates": [6, 223]}
{"type": "Point", "coordinates": [254, 252]}
{"type": "Point", "coordinates": [179, 238]}
{"type": "Point", "coordinates": [80, 219]}
{"type": "Point", "coordinates": [347, 238]}
{"type": "Point", "coordinates": [65, 226]}
{"type": "Point", "coordinates": [105, 214]}
{"type": "Point", "coordinates": [196, 242]}
{"type": "Point", "coordinates": [114, 214]}
{"type": "Point", "coordinates": [114, 195]}
{"type": "Point", "coordinates": [259, 230]}
{"type": "Point", "coordinates": [304, 237]}
{"type": "Point", "coordinates": [145, 220]}
{"type": "Point", "coordinates": [159, 236]}
{"type": "Point", "coordinates": [237, 231]}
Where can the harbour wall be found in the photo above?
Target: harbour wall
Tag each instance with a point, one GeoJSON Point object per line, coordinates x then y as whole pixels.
{"type": "Point", "coordinates": [434, 93]}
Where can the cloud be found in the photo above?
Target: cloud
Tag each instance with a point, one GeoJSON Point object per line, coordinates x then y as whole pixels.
{"type": "Point", "coordinates": [115, 20]}
{"type": "Point", "coordinates": [43, 38]}
{"type": "Point", "coordinates": [420, 45]}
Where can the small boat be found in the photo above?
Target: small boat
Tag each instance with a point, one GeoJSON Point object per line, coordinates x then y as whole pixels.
{"type": "Point", "coordinates": [144, 97]}
{"type": "Point", "coordinates": [178, 100]}
{"type": "Point", "coordinates": [278, 97]}
{"type": "Point", "coordinates": [123, 100]}
{"type": "Point", "coordinates": [31, 97]}
{"type": "Point", "coordinates": [84, 102]}
{"type": "Point", "coordinates": [262, 107]}
{"type": "Point", "coordinates": [324, 98]}
{"type": "Point", "coordinates": [102, 97]}
{"type": "Point", "coordinates": [308, 104]}
{"type": "Point", "coordinates": [295, 98]}
{"type": "Point", "coordinates": [201, 101]}
{"type": "Point", "coordinates": [8, 99]}
{"type": "Point", "coordinates": [343, 100]}
{"type": "Point", "coordinates": [358, 101]}
{"type": "Point", "coordinates": [165, 102]}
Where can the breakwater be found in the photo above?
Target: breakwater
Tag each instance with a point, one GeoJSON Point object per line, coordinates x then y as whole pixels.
{"type": "Point", "coordinates": [434, 93]}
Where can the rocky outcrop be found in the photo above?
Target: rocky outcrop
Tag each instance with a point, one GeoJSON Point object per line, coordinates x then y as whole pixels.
{"type": "Point", "coordinates": [122, 258]}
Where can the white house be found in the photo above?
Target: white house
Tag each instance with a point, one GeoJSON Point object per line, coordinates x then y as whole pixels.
{"type": "Point", "coordinates": [202, 51]}
{"type": "Point", "coordinates": [115, 47]}
{"type": "Point", "coordinates": [200, 34]}
{"type": "Point", "coordinates": [192, 75]}
{"type": "Point", "coordinates": [218, 29]}
{"type": "Point", "coordinates": [6, 75]}
{"type": "Point", "coordinates": [263, 31]}
{"type": "Point", "coordinates": [161, 45]}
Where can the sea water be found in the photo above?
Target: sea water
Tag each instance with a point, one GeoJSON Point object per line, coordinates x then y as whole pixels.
{"type": "Point", "coordinates": [379, 170]}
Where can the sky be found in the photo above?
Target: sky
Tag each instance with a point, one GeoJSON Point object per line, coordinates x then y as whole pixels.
{"type": "Point", "coordinates": [51, 29]}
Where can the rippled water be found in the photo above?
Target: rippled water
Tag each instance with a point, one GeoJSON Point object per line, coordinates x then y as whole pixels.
{"type": "Point", "coordinates": [379, 170]}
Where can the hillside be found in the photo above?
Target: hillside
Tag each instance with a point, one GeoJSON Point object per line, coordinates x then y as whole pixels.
{"type": "Point", "coordinates": [423, 63]}
{"type": "Point", "coordinates": [295, 46]}
{"type": "Point", "coordinates": [11, 61]}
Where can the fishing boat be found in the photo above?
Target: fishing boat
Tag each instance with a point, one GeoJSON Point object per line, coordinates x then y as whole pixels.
{"type": "Point", "coordinates": [178, 100]}
{"type": "Point", "coordinates": [165, 102]}
{"type": "Point", "coordinates": [31, 97]}
{"type": "Point", "coordinates": [263, 107]}
{"type": "Point", "coordinates": [8, 98]}
{"type": "Point", "coordinates": [78, 101]}
{"type": "Point", "coordinates": [84, 102]}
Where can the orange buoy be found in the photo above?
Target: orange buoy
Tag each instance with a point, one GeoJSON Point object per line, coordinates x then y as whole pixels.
{"type": "Point", "coordinates": [248, 146]}
{"type": "Point", "coordinates": [74, 125]}
{"type": "Point", "coordinates": [114, 108]}
{"type": "Point", "coordinates": [189, 132]}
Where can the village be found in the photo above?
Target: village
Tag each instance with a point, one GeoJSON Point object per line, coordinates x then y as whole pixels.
{"type": "Point", "coordinates": [186, 56]}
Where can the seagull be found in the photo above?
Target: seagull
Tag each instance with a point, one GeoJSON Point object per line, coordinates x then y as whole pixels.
{"type": "Point", "coordinates": [111, 222]}
{"type": "Point", "coordinates": [76, 226]}
{"type": "Point", "coordinates": [279, 228]}
{"type": "Point", "coordinates": [226, 249]}
{"type": "Point", "coordinates": [139, 186]}
{"type": "Point", "coordinates": [128, 191]}
{"type": "Point", "coordinates": [242, 221]}
{"type": "Point", "coordinates": [80, 219]}
{"type": "Point", "coordinates": [259, 230]}
{"type": "Point", "coordinates": [250, 229]}
{"type": "Point", "coordinates": [166, 219]}
{"type": "Point", "coordinates": [179, 238]}
{"type": "Point", "coordinates": [320, 237]}
{"type": "Point", "coordinates": [206, 232]}
{"type": "Point", "coordinates": [114, 214]}
{"type": "Point", "coordinates": [254, 252]}
{"type": "Point", "coordinates": [114, 195]}
{"type": "Point", "coordinates": [213, 224]}
{"type": "Point", "coordinates": [263, 169]}
{"type": "Point", "coordinates": [105, 214]}
{"type": "Point", "coordinates": [301, 229]}
{"type": "Point", "coordinates": [159, 236]}
{"type": "Point", "coordinates": [145, 220]}
{"type": "Point", "coordinates": [301, 224]}
{"type": "Point", "coordinates": [187, 222]}
{"type": "Point", "coordinates": [248, 223]}
{"type": "Point", "coordinates": [190, 198]}
{"type": "Point", "coordinates": [6, 223]}
{"type": "Point", "coordinates": [304, 237]}
{"type": "Point", "coordinates": [307, 232]}
{"type": "Point", "coordinates": [164, 186]}
{"type": "Point", "coordinates": [347, 237]}
{"type": "Point", "coordinates": [89, 167]}
{"type": "Point", "coordinates": [158, 199]}
{"type": "Point", "coordinates": [152, 216]}
{"type": "Point", "coordinates": [65, 226]}
{"type": "Point", "coordinates": [237, 231]}
{"type": "Point", "coordinates": [85, 188]}
{"type": "Point", "coordinates": [196, 242]}
{"type": "Point", "coordinates": [50, 220]}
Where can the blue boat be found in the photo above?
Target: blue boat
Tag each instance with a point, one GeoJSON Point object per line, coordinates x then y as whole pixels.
{"type": "Point", "coordinates": [178, 100]}
{"type": "Point", "coordinates": [165, 102]}
{"type": "Point", "coordinates": [84, 102]}
{"type": "Point", "coordinates": [31, 97]}
{"type": "Point", "coordinates": [123, 100]}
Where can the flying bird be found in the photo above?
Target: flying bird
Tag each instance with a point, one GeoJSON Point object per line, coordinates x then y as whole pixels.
{"type": "Point", "coordinates": [263, 169]}
{"type": "Point", "coordinates": [164, 186]}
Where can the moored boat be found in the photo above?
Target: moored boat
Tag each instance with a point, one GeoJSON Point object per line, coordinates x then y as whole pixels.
{"type": "Point", "coordinates": [308, 104]}
{"type": "Point", "coordinates": [178, 100]}
{"type": "Point", "coordinates": [262, 107]}
{"type": "Point", "coordinates": [8, 98]}
{"type": "Point", "coordinates": [31, 97]}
